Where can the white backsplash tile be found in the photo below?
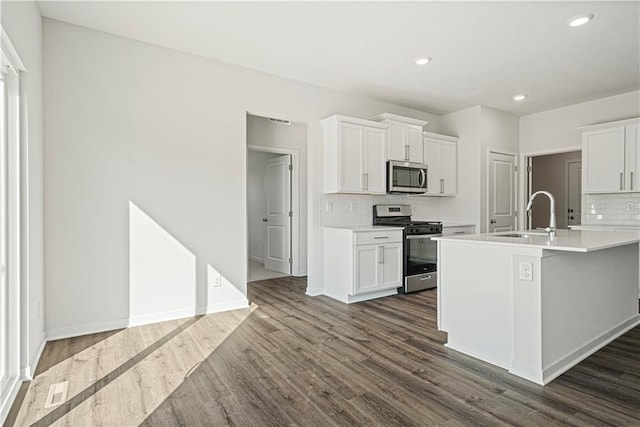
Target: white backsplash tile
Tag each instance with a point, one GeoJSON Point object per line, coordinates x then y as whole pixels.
{"type": "Point", "coordinates": [611, 209]}
{"type": "Point", "coordinates": [340, 210]}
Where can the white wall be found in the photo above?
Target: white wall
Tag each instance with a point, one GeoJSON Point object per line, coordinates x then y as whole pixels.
{"type": "Point", "coordinates": [292, 137]}
{"type": "Point", "coordinates": [131, 122]}
{"type": "Point", "coordinates": [257, 201]}
{"type": "Point", "coordinates": [23, 25]}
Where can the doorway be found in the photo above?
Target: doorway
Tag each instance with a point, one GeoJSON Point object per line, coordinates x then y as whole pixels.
{"type": "Point", "coordinates": [561, 175]}
{"type": "Point", "coordinates": [269, 213]}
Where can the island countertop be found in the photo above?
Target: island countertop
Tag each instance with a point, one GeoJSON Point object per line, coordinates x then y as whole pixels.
{"type": "Point", "coordinates": [566, 240]}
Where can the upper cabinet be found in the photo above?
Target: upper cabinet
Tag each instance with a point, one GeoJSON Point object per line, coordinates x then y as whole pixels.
{"type": "Point", "coordinates": [404, 137]}
{"type": "Point", "coordinates": [354, 155]}
{"type": "Point", "coordinates": [441, 158]}
{"type": "Point", "coordinates": [611, 157]}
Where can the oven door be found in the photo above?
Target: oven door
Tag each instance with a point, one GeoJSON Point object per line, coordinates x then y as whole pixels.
{"type": "Point", "coordinates": [420, 259]}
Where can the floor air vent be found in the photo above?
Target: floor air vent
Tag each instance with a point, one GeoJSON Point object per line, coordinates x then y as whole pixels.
{"type": "Point", "coordinates": [57, 394]}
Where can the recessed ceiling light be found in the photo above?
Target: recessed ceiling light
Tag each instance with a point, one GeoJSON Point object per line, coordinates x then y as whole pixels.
{"type": "Point", "coordinates": [582, 19]}
{"type": "Point", "coordinates": [519, 97]}
{"type": "Point", "coordinates": [423, 60]}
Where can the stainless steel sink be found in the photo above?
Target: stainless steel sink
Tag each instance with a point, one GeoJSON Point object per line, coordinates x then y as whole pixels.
{"type": "Point", "coordinates": [521, 235]}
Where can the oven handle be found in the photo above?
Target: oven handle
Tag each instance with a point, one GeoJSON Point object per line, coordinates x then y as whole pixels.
{"type": "Point", "coordinates": [422, 236]}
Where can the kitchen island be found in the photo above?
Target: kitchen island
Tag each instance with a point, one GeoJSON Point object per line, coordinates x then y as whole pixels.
{"type": "Point", "coordinates": [534, 305]}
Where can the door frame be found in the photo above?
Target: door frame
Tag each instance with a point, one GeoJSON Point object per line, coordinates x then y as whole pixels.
{"type": "Point", "coordinates": [295, 202]}
{"type": "Point", "coordinates": [523, 173]}
{"type": "Point", "coordinates": [566, 187]}
{"type": "Point", "coordinates": [487, 209]}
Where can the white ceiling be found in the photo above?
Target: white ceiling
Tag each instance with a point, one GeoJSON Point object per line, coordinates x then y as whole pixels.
{"type": "Point", "coordinates": [483, 52]}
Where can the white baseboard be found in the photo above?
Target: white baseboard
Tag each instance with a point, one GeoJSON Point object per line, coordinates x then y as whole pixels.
{"type": "Point", "coordinates": [163, 316]}
{"type": "Point", "coordinates": [7, 401]}
{"type": "Point", "coordinates": [91, 328]}
{"type": "Point", "coordinates": [558, 368]}
{"type": "Point", "coordinates": [256, 259]}
{"type": "Point", "coordinates": [314, 292]}
{"type": "Point", "coordinates": [224, 306]}
{"type": "Point", "coordinates": [28, 371]}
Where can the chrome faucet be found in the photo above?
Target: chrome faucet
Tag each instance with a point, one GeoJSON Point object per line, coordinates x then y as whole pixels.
{"type": "Point", "coordinates": [551, 229]}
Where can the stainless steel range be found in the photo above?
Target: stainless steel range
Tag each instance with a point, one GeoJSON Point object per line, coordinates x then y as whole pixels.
{"type": "Point", "coordinates": [420, 253]}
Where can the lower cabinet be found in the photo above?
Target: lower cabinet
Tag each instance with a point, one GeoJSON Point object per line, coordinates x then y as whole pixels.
{"type": "Point", "coordinates": [362, 264]}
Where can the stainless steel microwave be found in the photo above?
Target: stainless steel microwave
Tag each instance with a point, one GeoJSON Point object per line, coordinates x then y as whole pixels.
{"type": "Point", "coordinates": [406, 177]}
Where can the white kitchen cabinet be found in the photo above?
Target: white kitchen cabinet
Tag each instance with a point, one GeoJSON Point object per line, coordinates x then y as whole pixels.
{"type": "Point", "coordinates": [354, 155]}
{"type": "Point", "coordinates": [362, 264]}
{"type": "Point", "coordinates": [458, 229]}
{"type": "Point", "coordinates": [404, 137]}
{"type": "Point", "coordinates": [441, 158]}
{"type": "Point", "coordinates": [611, 157]}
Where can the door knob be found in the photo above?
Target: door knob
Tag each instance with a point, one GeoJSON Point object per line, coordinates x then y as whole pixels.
{"type": "Point", "coordinates": [571, 217]}
{"type": "Point", "coordinates": [571, 210]}
{"type": "Point", "coordinates": [493, 221]}
{"type": "Point", "coordinates": [264, 219]}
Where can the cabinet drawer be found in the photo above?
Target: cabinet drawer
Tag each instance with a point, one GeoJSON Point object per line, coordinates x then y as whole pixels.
{"type": "Point", "coordinates": [455, 231]}
{"type": "Point", "coordinates": [373, 237]}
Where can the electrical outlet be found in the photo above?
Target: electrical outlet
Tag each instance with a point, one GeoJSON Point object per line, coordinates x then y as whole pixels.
{"type": "Point", "coordinates": [217, 280]}
{"type": "Point", "coordinates": [526, 271]}
{"type": "Point", "coordinates": [629, 206]}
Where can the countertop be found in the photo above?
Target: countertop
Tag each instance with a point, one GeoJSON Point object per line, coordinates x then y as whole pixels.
{"type": "Point", "coordinates": [446, 224]}
{"type": "Point", "coordinates": [566, 240]}
{"type": "Point", "coordinates": [357, 228]}
{"type": "Point", "coordinates": [605, 227]}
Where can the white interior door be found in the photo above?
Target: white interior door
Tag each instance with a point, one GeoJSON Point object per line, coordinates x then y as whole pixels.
{"type": "Point", "coordinates": [574, 193]}
{"type": "Point", "coordinates": [501, 192]}
{"type": "Point", "coordinates": [278, 233]}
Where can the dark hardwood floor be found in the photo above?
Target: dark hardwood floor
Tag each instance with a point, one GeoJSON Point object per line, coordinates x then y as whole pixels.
{"type": "Point", "coordinates": [312, 361]}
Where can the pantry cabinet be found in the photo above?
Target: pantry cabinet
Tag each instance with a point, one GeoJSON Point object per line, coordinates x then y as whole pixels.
{"type": "Point", "coordinates": [441, 158]}
{"type": "Point", "coordinates": [361, 264]}
{"type": "Point", "coordinates": [354, 155]}
{"type": "Point", "coordinates": [611, 157]}
{"type": "Point", "coordinates": [404, 137]}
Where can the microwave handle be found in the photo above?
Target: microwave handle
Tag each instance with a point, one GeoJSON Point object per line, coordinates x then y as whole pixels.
{"type": "Point", "coordinates": [422, 179]}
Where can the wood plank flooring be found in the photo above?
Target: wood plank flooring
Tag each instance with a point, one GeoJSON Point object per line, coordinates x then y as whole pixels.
{"type": "Point", "coordinates": [311, 361]}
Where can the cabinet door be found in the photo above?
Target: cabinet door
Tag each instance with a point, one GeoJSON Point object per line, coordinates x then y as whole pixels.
{"type": "Point", "coordinates": [350, 161]}
{"type": "Point", "coordinates": [413, 140]}
{"type": "Point", "coordinates": [396, 147]}
{"type": "Point", "coordinates": [448, 167]}
{"type": "Point", "coordinates": [604, 160]}
{"type": "Point", "coordinates": [632, 157]}
{"type": "Point", "coordinates": [367, 269]}
{"type": "Point", "coordinates": [374, 160]}
{"type": "Point", "coordinates": [391, 272]}
{"type": "Point", "coordinates": [432, 160]}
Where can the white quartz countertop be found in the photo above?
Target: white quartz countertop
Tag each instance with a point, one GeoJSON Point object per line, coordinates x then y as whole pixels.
{"type": "Point", "coordinates": [566, 240]}
{"type": "Point", "coordinates": [446, 224]}
{"type": "Point", "coordinates": [605, 227]}
{"type": "Point", "coordinates": [367, 228]}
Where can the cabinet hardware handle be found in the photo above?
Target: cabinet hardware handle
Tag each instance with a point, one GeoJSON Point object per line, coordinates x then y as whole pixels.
{"type": "Point", "coordinates": [426, 277]}
{"type": "Point", "coordinates": [381, 254]}
{"type": "Point", "coordinates": [459, 232]}
{"type": "Point", "coordinates": [621, 180]}
{"type": "Point", "coordinates": [408, 152]}
{"type": "Point", "coordinates": [381, 237]}
{"type": "Point", "coordinates": [631, 180]}
{"type": "Point", "coordinates": [442, 185]}
{"type": "Point", "coordinates": [366, 176]}
{"type": "Point", "coordinates": [264, 220]}
{"type": "Point", "coordinates": [362, 183]}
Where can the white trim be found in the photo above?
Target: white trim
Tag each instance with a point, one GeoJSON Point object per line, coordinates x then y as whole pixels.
{"type": "Point", "coordinates": [28, 371]}
{"type": "Point", "coordinates": [296, 233]}
{"type": "Point", "coordinates": [315, 292]}
{"type": "Point", "coordinates": [226, 306]}
{"type": "Point", "coordinates": [524, 192]}
{"type": "Point", "coordinates": [5, 404]}
{"type": "Point", "coordinates": [433, 135]}
{"type": "Point", "coordinates": [519, 213]}
{"type": "Point", "coordinates": [608, 124]}
{"type": "Point", "coordinates": [162, 316]}
{"type": "Point", "coordinates": [86, 329]}
{"type": "Point", "coordinates": [256, 259]}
